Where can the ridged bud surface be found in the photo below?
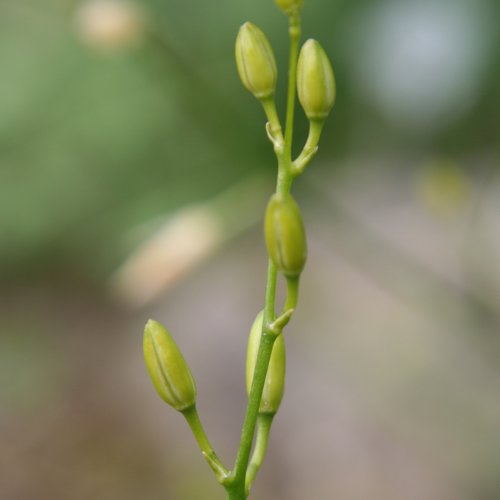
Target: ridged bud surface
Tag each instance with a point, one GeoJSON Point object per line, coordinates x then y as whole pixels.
{"type": "Point", "coordinates": [285, 235]}
{"type": "Point", "coordinates": [315, 81]}
{"type": "Point", "coordinates": [274, 386]}
{"type": "Point", "coordinates": [168, 369]}
{"type": "Point", "coordinates": [255, 61]}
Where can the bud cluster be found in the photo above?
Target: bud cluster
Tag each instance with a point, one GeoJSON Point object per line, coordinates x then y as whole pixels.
{"type": "Point", "coordinates": [311, 77]}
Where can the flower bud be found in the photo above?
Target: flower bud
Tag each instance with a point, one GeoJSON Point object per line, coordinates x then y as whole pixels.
{"type": "Point", "coordinates": [255, 61]}
{"type": "Point", "coordinates": [315, 81]}
{"type": "Point", "coordinates": [289, 6]}
{"type": "Point", "coordinates": [285, 235]}
{"type": "Point", "coordinates": [168, 369]}
{"type": "Point", "coordinates": [274, 385]}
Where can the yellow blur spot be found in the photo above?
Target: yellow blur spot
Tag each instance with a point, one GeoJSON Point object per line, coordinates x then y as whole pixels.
{"type": "Point", "coordinates": [443, 187]}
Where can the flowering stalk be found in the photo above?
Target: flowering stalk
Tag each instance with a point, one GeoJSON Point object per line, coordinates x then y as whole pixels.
{"type": "Point", "coordinates": [285, 242]}
{"type": "Point", "coordinates": [236, 488]}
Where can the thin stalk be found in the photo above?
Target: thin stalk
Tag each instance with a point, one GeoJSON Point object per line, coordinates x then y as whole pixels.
{"type": "Point", "coordinates": [264, 422]}
{"type": "Point", "coordinates": [263, 357]}
{"type": "Point", "coordinates": [292, 293]}
{"type": "Point", "coordinates": [294, 32]}
{"type": "Point", "coordinates": [235, 486]}
{"type": "Point", "coordinates": [310, 147]}
{"type": "Point", "coordinates": [193, 419]}
{"type": "Point", "coordinates": [270, 297]}
{"type": "Point", "coordinates": [276, 134]}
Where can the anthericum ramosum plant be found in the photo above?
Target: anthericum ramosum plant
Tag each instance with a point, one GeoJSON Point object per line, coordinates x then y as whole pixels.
{"type": "Point", "coordinates": [310, 75]}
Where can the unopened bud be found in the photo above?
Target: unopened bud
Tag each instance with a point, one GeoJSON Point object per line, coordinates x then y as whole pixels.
{"type": "Point", "coordinates": [285, 235]}
{"type": "Point", "coordinates": [315, 81]}
{"type": "Point", "coordinates": [289, 6]}
{"type": "Point", "coordinates": [255, 61]}
{"type": "Point", "coordinates": [274, 385]}
{"type": "Point", "coordinates": [168, 369]}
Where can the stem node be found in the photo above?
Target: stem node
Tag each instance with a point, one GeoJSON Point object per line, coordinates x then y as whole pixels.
{"type": "Point", "coordinates": [276, 327]}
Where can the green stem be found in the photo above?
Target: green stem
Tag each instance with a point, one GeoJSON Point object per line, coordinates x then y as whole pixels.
{"type": "Point", "coordinates": [294, 32]}
{"type": "Point", "coordinates": [264, 422]}
{"type": "Point", "coordinates": [292, 293]}
{"type": "Point", "coordinates": [310, 148]}
{"type": "Point", "coordinates": [233, 494]}
{"type": "Point", "coordinates": [259, 378]}
{"type": "Point", "coordinates": [273, 125]}
{"type": "Point", "coordinates": [235, 485]}
{"type": "Point", "coordinates": [270, 296]}
{"type": "Point", "coordinates": [285, 176]}
{"type": "Point", "coordinates": [193, 419]}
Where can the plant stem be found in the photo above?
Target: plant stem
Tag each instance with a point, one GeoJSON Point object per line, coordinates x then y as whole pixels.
{"type": "Point", "coordinates": [235, 486]}
{"type": "Point", "coordinates": [259, 377]}
{"type": "Point", "coordinates": [310, 148]}
{"type": "Point", "coordinates": [235, 495]}
{"type": "Point", "coordinates": [292, 293]}
{"type": "Point", "coordinates": [264, 421]}
{"type": "Point", "coordinates": [269, 106]}
{"type": "Point", "coordinates": [294, 32]}
{"type": "Point", "coordinates": [193, 419]}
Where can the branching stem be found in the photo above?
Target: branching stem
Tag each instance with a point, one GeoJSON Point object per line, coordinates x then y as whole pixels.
{"type": "Point", "coordinates": [193, 419]}
{"type": "Point", "coordinates": [235, 485]}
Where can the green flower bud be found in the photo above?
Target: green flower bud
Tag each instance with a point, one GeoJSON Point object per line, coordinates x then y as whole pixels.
{"type": "Point", "coordinates": [289, 6]}
{"type": "Point", "coordinates": [315, 81]}
{"type": "Point", "coordinates": [255, 61]}
{"type": "Point", "coordinates": [274, 385]}
{"type": "Point", "coordinates": [285, 235]}
{"type": "Point", "coordinates": [168, 369]}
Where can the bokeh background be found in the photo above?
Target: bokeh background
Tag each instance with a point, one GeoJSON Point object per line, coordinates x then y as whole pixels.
{"type": "Point", "coordinates": [134, 169]}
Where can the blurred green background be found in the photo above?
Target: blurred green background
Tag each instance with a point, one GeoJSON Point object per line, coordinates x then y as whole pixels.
{"type": "Point", "coordinates": [134, 170]}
